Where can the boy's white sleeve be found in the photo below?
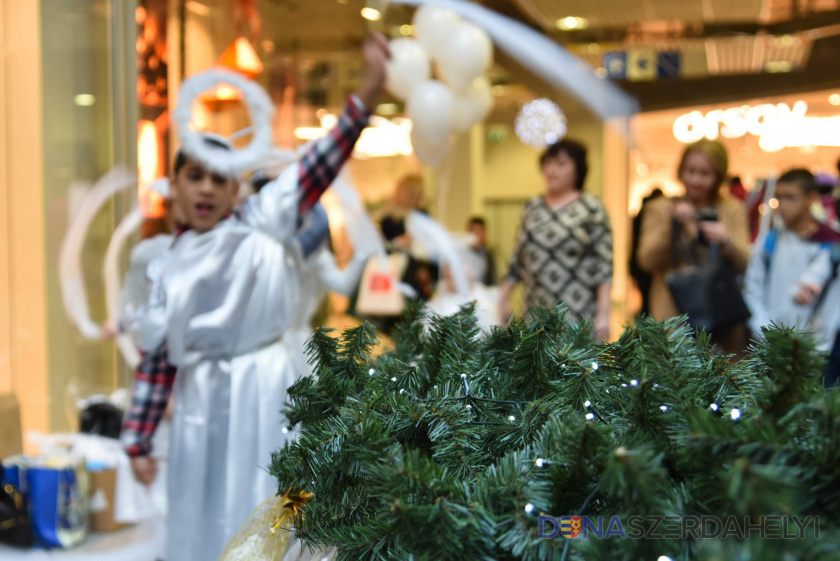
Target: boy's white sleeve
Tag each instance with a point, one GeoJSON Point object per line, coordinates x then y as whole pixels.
{"type": "Point", "coordinates": [756, 288]}
{"type": "Point", "coordinates": [274, 210]}
{"type": "Point", "coordinates": [819, 271]}
{"type": "Point", "coordinates": [342, 282]}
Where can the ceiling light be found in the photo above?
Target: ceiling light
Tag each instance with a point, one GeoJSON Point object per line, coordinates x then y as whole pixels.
{"type": "Point", "coordinates": [834, 99]}
{"type": "Point", "coordinates": [387, 109]}
{"type": "Point", "coordinates": [84, 100]}
{"type": "Point", "coordinates": [571, 23]}
{"type": "Point", "coordinates": [371, 14]}
{"type": "Point", "coordinates": [198, 8]}
{"type": "Point", "coordinates": [778, 66]}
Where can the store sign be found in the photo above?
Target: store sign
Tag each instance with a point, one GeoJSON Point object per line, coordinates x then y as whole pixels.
{"type": "Point", "coordinates": [777, 126]}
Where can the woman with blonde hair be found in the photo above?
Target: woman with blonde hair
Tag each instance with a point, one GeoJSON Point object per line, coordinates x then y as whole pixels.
{"type": "Point", "coordinates": [683, 231]}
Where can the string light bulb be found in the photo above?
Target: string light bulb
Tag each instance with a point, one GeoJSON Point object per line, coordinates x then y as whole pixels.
{"type": "Point", "coordinates": [540, 462]}
{"type": "Point", "coordinates": [589, 416]}
{"type": "Point", "coordinates": [735, 414]}
{"type": "Point", "coordinates": [529, 508]}
{"type": "Point", "coordinates": [714, 407]}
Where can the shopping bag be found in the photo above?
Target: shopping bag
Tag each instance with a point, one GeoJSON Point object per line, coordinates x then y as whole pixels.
{"type": "Point", "coordinates": [57, 501]}
{"type": "Point", "coordinates": [379, 293]}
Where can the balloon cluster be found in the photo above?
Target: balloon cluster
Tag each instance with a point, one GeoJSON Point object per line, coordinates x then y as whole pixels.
{"type": "Point", "coordinates": [462, 96]}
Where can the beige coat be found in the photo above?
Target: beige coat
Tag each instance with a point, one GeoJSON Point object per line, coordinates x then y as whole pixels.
{"type": "Point", "coordinates": [654, 254]}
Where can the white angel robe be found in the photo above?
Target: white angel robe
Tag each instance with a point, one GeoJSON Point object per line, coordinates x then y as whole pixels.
{"type": "Point", "coordinates": [222, 301]}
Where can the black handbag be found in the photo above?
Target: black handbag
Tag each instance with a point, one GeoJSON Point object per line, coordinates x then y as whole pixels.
{"type": "Point", "coordinates": [707, 292]}
{"type": "Point", "coordinates": [14, 523]}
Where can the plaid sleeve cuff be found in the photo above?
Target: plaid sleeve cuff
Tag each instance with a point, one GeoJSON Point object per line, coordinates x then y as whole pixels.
{"type": "Point", "coordinates": [323, 161]}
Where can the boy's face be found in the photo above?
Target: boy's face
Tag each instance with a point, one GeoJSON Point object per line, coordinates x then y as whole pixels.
{"type": "Point", "coordinates": [480, 234]}
{"type": "Point", "coordinates": [794, 202]}
{"type": "Point", "coordinates": [202, 197]}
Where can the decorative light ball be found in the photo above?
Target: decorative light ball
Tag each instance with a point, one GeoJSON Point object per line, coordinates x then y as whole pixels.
{"type": "Point", "coordinates": [735, 414]}
{"type": "Point", "coordinates": [714, 407]}
{"type": "Point", "coordinates": [540, 123]}
{"type": "Point", "coordinates": [587, 403]}
{"type": "Point", "coordinates": [590, 416]}
{"type": "Point", "coordinates": [663, 408]}
{"type": "Point", "coordinates": [529, 508]}
{"type": "Point", "coordinates": [540, 462]}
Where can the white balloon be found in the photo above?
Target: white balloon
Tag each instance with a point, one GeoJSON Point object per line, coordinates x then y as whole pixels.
{"type": "Point", "coordinates": [433, 155]}
{"type": "Point", "coordinates": [432, 110]}
{"type": "Point", "coordinates": [466, 54]}
{"type": "Point", "coordinates": [409, 65]}
{"type": "Point", "coordinates": [473, 105]}
{"type": "Point", "coordinates": [433, 26]}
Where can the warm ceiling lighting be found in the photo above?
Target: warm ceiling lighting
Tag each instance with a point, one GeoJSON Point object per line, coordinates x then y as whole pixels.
{"type": "Point", "coordinates": [834, 99]}
{"type": "Point", "coordinates": [84, 100]}
{"type": "Point", "coordinates": [371, 14]}
{"type": "Point", "coordinates": [242, 57]}
{"type": "Point", "coordinates": [572, 23]}
{"type": "Point", "coordinates": [387, 109]}
{"type": "Point", "coordinates": [779, 66]}
{"type": "Point", "coordinates": [198, 8]}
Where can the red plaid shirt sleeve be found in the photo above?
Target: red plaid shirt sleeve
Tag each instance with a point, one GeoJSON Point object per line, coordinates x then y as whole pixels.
{"type": "Point", "coordinates": [322, 162]}
{"type": "Point", "coordinates": [150, 393]}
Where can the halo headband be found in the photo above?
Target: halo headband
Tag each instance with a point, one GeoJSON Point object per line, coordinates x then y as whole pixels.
{"type": "Point", "coordinates": [233, 162]}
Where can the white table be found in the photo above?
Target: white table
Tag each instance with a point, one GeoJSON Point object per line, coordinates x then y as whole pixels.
{"type": "Point", "coordinates": [144, 542]}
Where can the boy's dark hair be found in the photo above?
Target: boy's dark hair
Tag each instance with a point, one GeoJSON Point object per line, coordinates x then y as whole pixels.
{"type": "Point", "coordinates": [576, 151]}
{"type": "Point", "coordinates": [181, 158]}
{"type": "Point", "coordinates": [802, 177]}
{"type": "Point", "coordinates": [478, 220]}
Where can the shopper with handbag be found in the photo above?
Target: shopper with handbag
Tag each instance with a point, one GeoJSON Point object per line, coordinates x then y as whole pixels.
{"type": "Point", "coordinates": [695, 246]}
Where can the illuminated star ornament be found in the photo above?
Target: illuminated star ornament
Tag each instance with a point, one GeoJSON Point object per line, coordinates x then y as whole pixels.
{"type": "Point", "coordinates": [540, 123]}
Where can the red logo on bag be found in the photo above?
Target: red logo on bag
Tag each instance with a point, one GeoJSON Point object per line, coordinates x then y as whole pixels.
{"type": "Point", "coordinates": [380, 282]}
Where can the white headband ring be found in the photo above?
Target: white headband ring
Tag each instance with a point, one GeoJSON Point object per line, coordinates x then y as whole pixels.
{"type": "Point", "coordinates": [234, 162]}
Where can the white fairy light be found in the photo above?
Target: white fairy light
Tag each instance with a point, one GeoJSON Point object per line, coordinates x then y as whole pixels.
{"type": "Point", "coordinates": [464, 375]}
{"type": "Point", "coordinates": [714, 407]}
{"type": "Point", "coordinates": [540, 123]}
{"type": "Point", "coordinates": [285, 430]}
{"type": "Point", "coordinates": [589, 416]}
{"type": "Point", "coordinates": [511, 418]}
{"type": "Point", "coordinates": [608, 391]}
{"type": "Point", "coordinates": [402, 391]}
{"type": "Point", "coordinates": [735, 414]}
{"type": "Point", "coordinates": [623, 385]}
{"type": "Point", "coordinates": [587, 403]}
{"type": "Point", "coordinates": [394, 379]}
{"type": "Point", "coordinates": [664, 558]}
{"type": "Point", "coordinates": [529, 508]}
{"type": "Point", "coordinates": [594, 366]}
{"type": "Point", "coordinates": [540, 462]}
{"type": "Point", "coordinates": [663, 408]}
{"type": "Point", "coordinates": [371, 371]}
{"type": "Point", "coordinates": [469, 407]}
{"type": "Point", "coordinates": [634, 382]}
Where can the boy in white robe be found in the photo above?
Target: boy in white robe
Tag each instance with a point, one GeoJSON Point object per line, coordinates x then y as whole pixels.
{"type": "Point", "coordinates": [221, 299]}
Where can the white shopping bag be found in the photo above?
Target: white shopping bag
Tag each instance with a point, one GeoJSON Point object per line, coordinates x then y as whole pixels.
{"type": "Point", "coordinates": [379, 293]}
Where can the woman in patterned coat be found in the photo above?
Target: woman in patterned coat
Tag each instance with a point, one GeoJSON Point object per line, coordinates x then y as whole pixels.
{"type": "Point", "coordinates": [563, 251]}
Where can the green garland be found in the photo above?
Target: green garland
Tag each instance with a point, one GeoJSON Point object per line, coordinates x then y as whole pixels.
{"type": "Point", "coordinates": [453, 445]}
